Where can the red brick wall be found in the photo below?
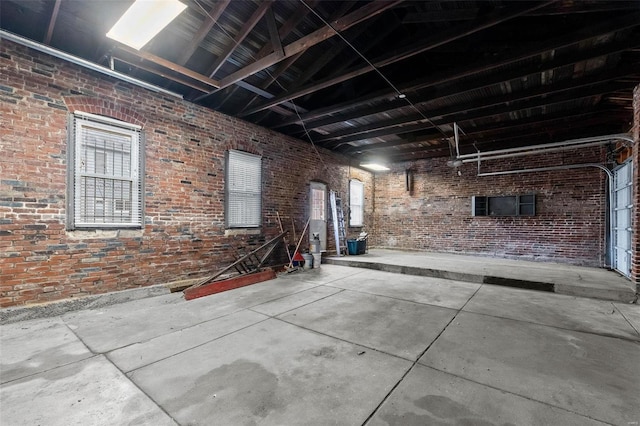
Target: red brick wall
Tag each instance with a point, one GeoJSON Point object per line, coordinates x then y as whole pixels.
{"type": "Point", "coordinates": [184, 232]}
{"type": "Point", "coordinates": [568, 225]}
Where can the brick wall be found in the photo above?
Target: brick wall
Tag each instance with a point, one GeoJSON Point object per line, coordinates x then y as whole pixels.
{"type": "Point", "coordinates": [568, 225]}
{"type": "Point", "coordinates": [184, 232]}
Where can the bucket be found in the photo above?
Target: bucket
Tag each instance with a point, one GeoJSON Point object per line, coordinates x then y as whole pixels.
{"type": "Point", "coordinates": [352, 245]}
{"type": "Point", "coordinates": [317, 260]}
{"type": "Point", "coordinates": [308, 260]}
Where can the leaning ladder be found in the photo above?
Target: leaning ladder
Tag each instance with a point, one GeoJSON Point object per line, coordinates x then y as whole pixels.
{"type": "Point", "coordinates": [339, 230]}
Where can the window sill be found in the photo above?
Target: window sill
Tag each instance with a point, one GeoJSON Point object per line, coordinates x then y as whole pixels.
{"type": "Point", "coordinates": [87, 233]}
{"type": "Point", "coordinates": [242, 231]}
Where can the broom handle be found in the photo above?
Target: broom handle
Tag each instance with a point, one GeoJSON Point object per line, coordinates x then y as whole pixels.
{"type": "Point", "coordinates": [300, 241]}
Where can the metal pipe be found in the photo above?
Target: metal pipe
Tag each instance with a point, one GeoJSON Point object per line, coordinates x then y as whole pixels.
{"type": "Point", "coordinates": [609, 174]}
{"type": "Point", "coordinates": [84, 63]}
{"type": "Point", "coordinates": [533, 152]}
{"type": "Point", "coordinates": [572, 142]}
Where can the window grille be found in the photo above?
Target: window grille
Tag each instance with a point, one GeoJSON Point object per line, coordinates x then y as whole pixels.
{"type": "Point", "coordinates": [106, 173]}
{"type": "Point", "coordinates": [243, 207]}
{"type": "Point", "coordinates": [356, 203]}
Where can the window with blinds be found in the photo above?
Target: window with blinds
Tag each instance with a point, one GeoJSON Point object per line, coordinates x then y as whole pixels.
{"type": "Point", "coordinates": [243, 190]}
{"type": "Point", "coordinates": [356, 203]}
{"type": "Point", "coordinates": [106, 182]}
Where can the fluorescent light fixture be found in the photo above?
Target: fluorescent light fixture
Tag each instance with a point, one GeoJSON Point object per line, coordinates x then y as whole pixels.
{"type": "Point", "coordinates": [375, 167]}
{"type": "Point", "coordinates": [143, 20]}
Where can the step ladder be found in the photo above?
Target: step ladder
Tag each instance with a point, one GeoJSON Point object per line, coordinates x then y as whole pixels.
{"type": "Point", "coordinates": [339, 230]}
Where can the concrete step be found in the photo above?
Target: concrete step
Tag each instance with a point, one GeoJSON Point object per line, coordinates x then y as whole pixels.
{"type": "Point", "coordinates": [571, 280]}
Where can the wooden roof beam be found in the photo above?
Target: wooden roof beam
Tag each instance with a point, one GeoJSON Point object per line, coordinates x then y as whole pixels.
{"type": "Point", "coordinates": [363, 13]}
{"type": "Point", "coordinates": [613, 25]}
{"type": "Point", "coordinates": [437, 40]}
{"type": "Point", "coordinates": [242, 34]}
{"type": "Point", "coordinates": [285, 64]}
{"type": "Point", "coordinates": [209, 21]}
{"type": "Point", "coordinates": [462, 115]}
{"type": "Point", "coordinates": [512, 99]}
{"type": "Point", "coordinates": [52, 22]}
{"type": "Point", "coordinates": [289, 25]}
{"type": "Point", "coordinates": [183, 81]}
{"type": "Point", "coordinates": [169, 65]}
{"type": "Point", "coordinates": [487, 81]}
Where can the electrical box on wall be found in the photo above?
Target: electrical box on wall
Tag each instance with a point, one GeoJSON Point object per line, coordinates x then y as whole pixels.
{"type": "Point", "coordinates": [506, 205]}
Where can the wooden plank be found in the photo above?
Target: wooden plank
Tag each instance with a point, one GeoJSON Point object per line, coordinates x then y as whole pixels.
{"type": "Point", "coordinates": [177, 286]}
{"type": "Point", "coordinates": [230, 284]}
{"type": "Point", "coordinates": [240, 261]}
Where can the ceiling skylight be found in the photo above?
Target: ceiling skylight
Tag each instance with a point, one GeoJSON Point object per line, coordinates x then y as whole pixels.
{"type": "Point", "coordinates": [143, 20]}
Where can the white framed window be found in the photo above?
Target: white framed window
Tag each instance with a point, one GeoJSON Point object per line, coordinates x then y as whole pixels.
{"type": "Point", "coordinates": [105, 173]}
{"type": "Point", "coordinates": [243, 190]}
{"type": "Point", "coordinates": [356, 203]}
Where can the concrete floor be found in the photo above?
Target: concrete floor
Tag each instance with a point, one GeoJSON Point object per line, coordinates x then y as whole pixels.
{"type": "Point", "coordinates": [335, 345]}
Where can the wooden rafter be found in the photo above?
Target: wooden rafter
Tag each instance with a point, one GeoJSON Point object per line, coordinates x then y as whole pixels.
{"type": "Point", "coordinates": [289, 25]}
{"type": "Point", "coordinates": [169, 65]}
{"type": "Point", "coordinates": [363, 13]}
{"type": "Point", "coordinates": [422, 46]}
{"type": "Point", "coordinates": [484, 82]}
{"type": "Point", "coordinates": [52, 22]}
{"type": "Point", "coordinates": [500, 105]}
{"type": "Point", "coordinates": [242, 34]}
{"type": "Point", "coordinates": [168, 76]}
{"type": "Point", "coordinates": [272, 25]}
{"type": "Point", "coordinates": [317, 65]}
{"type": "Point", "coordinates": [207, 24]}
{"type": "Point", "coordinates": [615, 24]}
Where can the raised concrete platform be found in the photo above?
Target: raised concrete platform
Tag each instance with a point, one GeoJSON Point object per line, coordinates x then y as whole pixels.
{"type": "Point", "coordinates": [559, 278]}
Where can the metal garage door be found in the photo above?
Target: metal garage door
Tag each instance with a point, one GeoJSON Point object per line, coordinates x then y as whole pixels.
{"type": "Point", "coordinates": [622, 218]}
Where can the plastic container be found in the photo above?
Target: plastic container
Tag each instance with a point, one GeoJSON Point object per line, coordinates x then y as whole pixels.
{"type": "Point", "coordinates": [308, 260]}
{"type": "Point", "coordinates": [352, 246]}
{"type": "Point", "coordinates": [317, 260]}
{"type": "Point", "coordinates": [362, 246]}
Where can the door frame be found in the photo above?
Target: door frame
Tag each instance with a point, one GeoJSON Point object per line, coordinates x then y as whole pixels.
{"type": "Point", "coordinates": [313, 228]}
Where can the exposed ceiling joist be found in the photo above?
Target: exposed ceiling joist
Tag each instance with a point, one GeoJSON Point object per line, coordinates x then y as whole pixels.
{"type": "Point", "coordinates": [487, 81]}
{"type": "Point", "coordinates": [363, 13]}
{"type": "Point", "coordinates": [210, 20]}
{"type": "Point", "coordinates": [422, 46]}
{"type": "Point", "coordinates": [532, 77]}
{"type": "Point", "coordinates": [612, 25]}
{"type": "Point", "coordinates": [169, 65]}
{"type": "Point", "coordinates": [242, 34]}
{"type": "Point", "coordinates": [52, 22]}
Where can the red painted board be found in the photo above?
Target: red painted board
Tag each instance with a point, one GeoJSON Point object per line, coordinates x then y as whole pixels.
{"type": "Point", "coordinates": [230, 284]}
